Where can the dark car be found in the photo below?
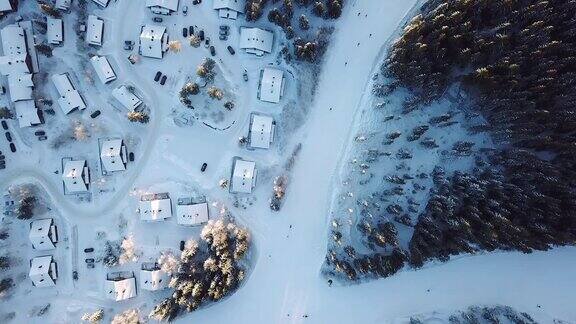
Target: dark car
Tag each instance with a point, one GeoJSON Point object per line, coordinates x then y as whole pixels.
{"type": "Point", "coordinates": [163, 80]}
{"type": "Point", "coordinates": [184, 32]}
{"type": "Point", "coordinates": [224, 27]}
{"type": "Point", "coordinates": [75, 275]}
{"type": "Point", "coordinates": [88, 250]}
{"type": "Point", "coordinates": [204, 166]}
{"type": "Point", "coordinates": [131, 156]}
{"type": "Point", "coordinates": [39, 133]}
{"type": "Point", "coordinates": [212, 51]}
{"type": "Point", "coordinates": [89, 260]}
{"type": "Point", "coordinates": [223, 33]}
{"type": "Point", "coordinates": [231, 50]}
{"type": "Point", "coordinates": [90, 265]}
{"type": "Point", "coordinates": [182, 244]}
{"type": "Point", "coordinates": [157, 76]}
{"type": "Point", "coordinates": [157, 19]}
{"type": "Point", "coordinates": [128, 45]}
{"type": "Point", "coordinates": [201, 35]}
{"type": "Point", "coordinates": [4, 125]}
{"type": "Point", "coordinates": [190, 30]}
{"type": "Point", "coordinates": [223, 37]}
{"type": "Point", "coordinates": [8, 136]}
{"type": "Point", "coordinates": [12, 148]}
{"type": "Point", "coordinates": [95, 114]}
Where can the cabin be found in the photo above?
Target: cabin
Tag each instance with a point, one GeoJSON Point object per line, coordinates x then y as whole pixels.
{"type": "Point", "coordinates": [120, 286]}
{"type": "Point", "coordinates": [256, 41]}
{"type": "Point", "coordinates": [43, 271]}
{"type": "Point", "coordinates": [95, 30]}
{"type": "Point", "coordinates": [189, 214]}
{"type": "Point", "coordinates": [103, 68]}
{"type": "Point", "coordinates": [261, 133]}
{"type": "Point", "coordinates": [271, 88]}
{"type": "Point", "coordinates": [155, 207]}
{"type": "Point", "coordinates": [55, 31]}
{"type": "Point", "coordinates": [70, 98]}
{"type": "Point", "coordinates": [8, 6]}
{"type": "Point", "coordinates": [43, 234]}
{"type": "Point", "coordinates": [102, 3]}
{"type": "Point", "coordinates": [162, 7]}
{"type": "Point", "coordinates": [113, 155]}
{"type": "Point", "coordinates": [153, 41]}
{"type": "Point", "coordinates": [243, 178]}
{"type": "Point", "coordinates": [152, 278]}
{"type": "Point", "coordinates": [63, 5]}
{"type": "Point", "coordinates": [126, 98]}
{"type": "Point", "coordinates": [76, 176]}
{"type": "Point", "coordinates": [229, 9]}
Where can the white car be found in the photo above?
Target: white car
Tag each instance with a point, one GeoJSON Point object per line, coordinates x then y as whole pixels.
{"type": "Point", "coordinates": [185, 10]}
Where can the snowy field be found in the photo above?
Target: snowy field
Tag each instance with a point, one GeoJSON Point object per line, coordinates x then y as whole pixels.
{"type": "Point", "coordinates": [285, 284]}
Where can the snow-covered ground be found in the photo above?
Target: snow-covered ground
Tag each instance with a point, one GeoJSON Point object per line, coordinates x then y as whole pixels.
{"type": "Point", "coordinates": [285, 284]}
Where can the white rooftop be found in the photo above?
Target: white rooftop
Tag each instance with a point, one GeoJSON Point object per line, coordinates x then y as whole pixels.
{"type": "Point", "coordinates": [229, 8]}
{"type": "Point", "coordinates": [43, 271]}
{"type": "Point", "coordinates": [256, 41]}
{"type": "Point", "coordinates": [261, 131]}
{"type": "Point", "coordinates": [155, 210]}
{"type": "Point", "coordinates": [27, 113]}
{"type": "Point", "coordinates": [13, 40]}
{"type": "Point", "coordinates": [14, 64]}
{"type": "Point", "coordinates": [70, 98]}
{"type": "Point", "coordinates": [153, 41]}
{"type": "Point", "coordinates": [63, 4]}
{"type": "Point", "coordinates": [102, 3]}
{"type": "Point", "coordinates": [103, 68]}
{"type": "Point", "coordinates": [120, 289]}
{"type": "Point", "coordinates": [113, 155]}
{"type": "Point", "coordinates": [20, 86]}
{"type": "Point", "coordinates": [95, 29]}
{"type": "Point", "coordinates": [271, 85]}
{"type": "Point", "coordinates": [126, 98]}
{"type": "Point", "coordinates": [6, 5]}
{"type": "Point", "coordinates": [194, 214]}
{"type": "Point", "coordinates": [162, 6]}
{"type": "Point", "coordinates": [243, 176]}
{"type": "Point", "coordinates": [55, 32]}
{"type": "Point", "coordinates": [153, 279]}
{"type": "Point", "coordinates": [75, 176]}
{"type": "Point", "coordinates": [42, 234]}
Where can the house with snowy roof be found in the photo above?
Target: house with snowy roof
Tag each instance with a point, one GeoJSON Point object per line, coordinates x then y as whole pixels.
{"type": "Point", "coordinates": [8, 6]}
{"type": "Point", "coordinates": [152, 278]}
{"type": "Point", "coordinates": [261, 133]}
{"type": "Point", "coordinates": [43, 234]}
{"type": "Point", "coordinates": [55, 31]}
{"type": "Point", "coordinates": [76, 176]}
{"type": "Point", "coordinates": [103, 68]}
{"type": "Point", "coordinates": [94, 30]}
{"type": "Point", "coordinates": [15, 64]}
{"type": "Point", "coordinates": [102, 3]}
{"type": "Point", "coordinates": [229, 8]}
{"type": "Point", "coordinates": [157, 208]}
{"type": "Point", "coordinates": [113, 155]}
{"type": "Point", "coordinates": [43, 271]}
{"type": "Point", "coordinates": [153, 41]}
{"type": "Point", "coordinates": [126, 98]}
{"type": "Point", "coordinates": [192, 214]}
{"type": "Point", "coordinates": [120, 286]}
{"type": "Point", "coordinates": [243, 178]}
{"type": "Point", "coordinates": [271, 87]}
{"type": "Point", "coordinates": [63, 5]}
{"type": "Point", "coordinates": [256, 41]}
{"type": "Point", "coordinates": [27, 113]}
{"type": "Point", "coordinates": [162, 7]}
{"type": "Point", "coordinates": [70, 98]}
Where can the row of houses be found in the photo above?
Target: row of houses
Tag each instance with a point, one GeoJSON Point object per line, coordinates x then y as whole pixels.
{"type": "Point", "coordinates": [158, 207]}
{"type": "Point", "coordinates": [121, 286]}
{"type": "Point", "coordinates": [43, 235]}
{"type": "Point", "coordinates": [229, 9]}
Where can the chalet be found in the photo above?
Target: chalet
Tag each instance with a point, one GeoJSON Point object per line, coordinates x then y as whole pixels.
{"type": "Point", "coordinates": [8, 6]}
{"type": "Point", "coordinates": [102, 3]}
{"type": "Point", "coordinates": [120, 286]}
{"type": "Point", "coordinates": [126, 98]}
{"type": "Point", "coordinates": [261, 133]}
{"type": "Point", "coordinates": [155, 207]}
{"type": "Point", "coordinates": [63, 5]}
{"type": "Point", "coordinates": [192, 214]}
{"type": "Point", "coordinates": [113, 155]}
{"type": "Point", "coordinates": [152, 278]}
{"type": "Point", "coordinates": [162, 7]}
{"type": "Point", "coordinates": [43, 271]}
{"type": "Point", "coordinates": [76, 176]}
{"type": "Point", "coordinates": [256, 41]}
{"type": "Point", "coordinates": [70, 98]}
{"type": "Point", "coordinates": [243, 176]}
{"type": "Point", "coordinates": [229, 8]}
{"type": "Point", "coordinates": [55, 32]}
{"type": "Point", "coordinates": [153, 41]}
{"type": "Point", "coordinates": [43, 234]}
{"type": "Point", "coordinates": [95, 30]}
{"type": "Point", "coordinates": [271, 88]}
{"type": "Point", "coordinates": [103, 68]}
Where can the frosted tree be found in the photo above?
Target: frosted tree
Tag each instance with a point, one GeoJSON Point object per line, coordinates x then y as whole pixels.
{"type": "Point", "coordinates": [175, 46]}
{"type": "Point", "coordinates": [215, 93]}
{"type": "Point", "coordinates": [94, 317]}
{"type": "Point", "coordinates": [129, 251]}
{"type": "Point", "coordinates": [195, 41]}
{"type": "Point", "coordinates": [130, 316]}
{"type": "Point", "coordinates": [80, 132]}
{"type": "Point", "coordinates": [168, 262]}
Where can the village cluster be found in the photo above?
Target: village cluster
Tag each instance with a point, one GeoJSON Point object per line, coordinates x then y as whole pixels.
{"type": "Point", "coordinates": [18, 64]}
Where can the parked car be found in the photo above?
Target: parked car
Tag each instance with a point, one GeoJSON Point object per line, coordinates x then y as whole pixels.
{"type": "Point", "coordinates": [185, 10]}
{"type": "Point", "coordinates": [190, 30]}
{"type": "Point", "coordinates": [245, 75]}
{"type": "Point", "coordinates": [128, 45]}
{"type": "Point", "coordinates": [157, 19]}
{"type": "Point", "coordinates": [42, 138]}
{"type": "Point", "coordinates": [8, 136]}
{"type": "Point", "coordinates": [207, 42]}
{"type": "Point", "coordinates": [39, 133]}
{"type": "Point", "coordinates": [157, 76]}
{"type": "Point", "coordinates": [4, 125]}
{"type": "Point", "coordinates": [201, 35]}
{"type": "Point", "coordinates": [75, 275]}
{"type": "Point", "coordinates": [90, 265]}
{"type": "Point", "coordinates": [182, 244]}
{"type": "Point", "coordinates": [224, 27]}
{"type": "Point", "coordinates": [196, 2]}
{"type": "Point", "coordinates": [223, 37]}
{"type": "Point", "coordinates": [223, 32]}
{"type": "Point", "coordinates": [231, 50]}
{"type": "Point", "coordinates": [12, 148]}
{"type": "Point", "coordinates": [89, 260]}
{"type": "Point", "coordinates": [212, 51]}
{"type": "Point", "coordinates": [204, 166]}
{"type": "Point", "coordinates": [184, 32]}
{"type": "Point", "coordinates": [131, 156]}
{"type": "Point", "coordinates": [95, 114]}
{"type": "Point", "coordinates": [88, 250]}
{"type": "Point", "coordinates": [163, 80]}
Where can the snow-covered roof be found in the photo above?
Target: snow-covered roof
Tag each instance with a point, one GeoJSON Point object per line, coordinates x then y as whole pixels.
{"type": "Point", "coordinates": [155, 210]}
{"type": "Point", "coordinates": [70, 98]}
{"type": "Point", "coordinates": [153, 279]}
{"type": "Point", "coordinates": [13, 40]}
{"type": "Point", "coordinates": [190, 215]}
{"type": "Point", "coordinates": [271, 85]}
{"type": "Point", "coordinates": [103, 68]}
{"type": "Point", "coordinates": [243, 176]}
{"type": "Point", "coordinates": [43, 271]}
{"type": "Point", "coordinates": [256, 41]}
{"type": "Point", "coordinates": [8, 5]}
{"type": "Point", "coordinates": [113, 155]}
{"type": "Point", "coordinates": [43, 234]}
{"type": "Point", "coordinates": [229, 8]}
{"type": "Point", "coordinates": [14, 64]}
{"type": "Point", "coordinates": [120, 289]}
{"type": "Point", "coordinates": [102, 3]}
{"type": "Point", "coordinates": [27, 113]}
{"type": "Point", "coordinates": [153, 41]}
{"type": "Point", "coordinates": [55, 33]}
{"type": "Point", "coordinates": [75, 176]}
{"type": "Point", "coordinates": [163, 7]}
{"type": "Point", "coordinates": [261, 131]}
{"type": "Point", "coordinates": [95, 29]}
{"type": "Point", "coordinates": [63, 4]}
{"type": "Point", "coordinates": [126, 98]}
{"type": "Point", "coordinates": [20, 86]}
